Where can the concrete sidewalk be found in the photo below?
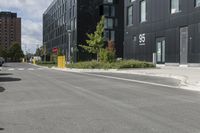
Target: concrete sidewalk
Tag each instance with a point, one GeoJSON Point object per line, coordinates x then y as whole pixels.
{"type": "Point", "coordinates": [189, 76]}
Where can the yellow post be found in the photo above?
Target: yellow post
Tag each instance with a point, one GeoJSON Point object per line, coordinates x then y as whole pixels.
{"type": "Point", "coordinates": [34, 62]}
{"type": "Point", "coordinates": [61, 61]}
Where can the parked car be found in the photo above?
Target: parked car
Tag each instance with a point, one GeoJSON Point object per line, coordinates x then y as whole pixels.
{"type": "Point", "coordinates": [2, 61]}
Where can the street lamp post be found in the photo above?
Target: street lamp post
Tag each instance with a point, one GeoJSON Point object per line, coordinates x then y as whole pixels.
{"type": "Point", "coordinates": [45, 51]}
{"type": "Point", "coordinates": [69, 46]}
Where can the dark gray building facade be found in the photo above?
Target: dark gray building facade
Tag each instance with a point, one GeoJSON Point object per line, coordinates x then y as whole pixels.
{"type": "Point", "coordinates": [169, 28]}
{"type": "Point", "coordinates": [81, 17]}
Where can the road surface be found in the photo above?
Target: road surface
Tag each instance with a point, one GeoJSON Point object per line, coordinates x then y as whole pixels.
{"type": "Point", "coordinates": [39, 100]}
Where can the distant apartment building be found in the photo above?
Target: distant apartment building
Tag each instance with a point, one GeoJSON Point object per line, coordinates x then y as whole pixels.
{"type": "Point", "coordinates": [10, 29]}
{"type": "Point", "coordinates": [169, 28]}
{"type": "Point", "coordinates": [66, 22]}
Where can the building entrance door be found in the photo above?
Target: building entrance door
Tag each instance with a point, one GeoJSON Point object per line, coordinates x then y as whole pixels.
{"type": "Point", "coordinates": [184, 45]}
{"type": "Point", "coordinates": [160, 52]}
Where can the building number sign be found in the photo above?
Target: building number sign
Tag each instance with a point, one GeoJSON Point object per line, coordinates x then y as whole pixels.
{"type": "Point", "coordinates": [142, 39]}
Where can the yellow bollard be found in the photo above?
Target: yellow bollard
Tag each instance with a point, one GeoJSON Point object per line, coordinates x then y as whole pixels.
{"type": "Point", "coordinates": [61, 62]}
{"type": "Point", "coordinates": [34, 62]}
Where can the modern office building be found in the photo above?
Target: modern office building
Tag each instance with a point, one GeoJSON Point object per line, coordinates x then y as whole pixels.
{"type": "Point", "coordinates": [169, 28]}
{"type": "Point", "coordinates": [66, 22]}
{"type": "Point", "coordinates": [10, 29]}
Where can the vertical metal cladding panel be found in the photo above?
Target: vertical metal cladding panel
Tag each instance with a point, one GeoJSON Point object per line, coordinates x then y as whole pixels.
{"type": "Point", "coordinates": [119, 28]}
{"type": "Point", "coordinates": [184, 45]}
{"type": "Point", "coordinates": [172, 45]}
{"type": "Point", "coordinates": [194, 41]}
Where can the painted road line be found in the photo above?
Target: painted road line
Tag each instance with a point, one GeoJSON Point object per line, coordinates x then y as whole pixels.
{"type": "Point", "coordinates": [40, 68]}
{"type": "Point", "coordinates": [31, 69]}
{"type": "Point", "coordinates": [131, 80]}
{"type": "Point", "coordinates": [21, 69]}
{"type": "Point", "coordinates": [11, 69]}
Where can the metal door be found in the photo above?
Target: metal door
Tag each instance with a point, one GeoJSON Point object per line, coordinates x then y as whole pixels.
{"type": "Point", "coordinates": [184, 45]}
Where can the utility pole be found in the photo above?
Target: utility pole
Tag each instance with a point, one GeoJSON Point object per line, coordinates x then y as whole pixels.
{"type": "Point", "coordinates": [25, 52]}
{"type": "Point", "coordinates": [45, 53]}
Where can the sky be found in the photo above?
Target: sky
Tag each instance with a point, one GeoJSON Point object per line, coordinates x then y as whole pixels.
{"type": "Point", "coordinates": [30, 12]}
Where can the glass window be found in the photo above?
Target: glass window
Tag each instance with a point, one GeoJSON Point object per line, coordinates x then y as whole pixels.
{"type": "Point", "coordinates": [197, 3]}
{"type": "Point", "coordinates": [73, 11]}
{"type": "Point", "coordinates": [130, 15]}
{"type": "Point", "coordinates": [106, 10]}
{"type": "Point", "coordinates": [75, 23]}
{"type": "Point", "coordinates": [143, 11]}
{"type": "Point", "coordinates": [112, 11]}
{"type": "Point", "coordinates": [72, 25]}
{"type": "Point", "coordinates": [108, 1]}
{"type": "Point", "coordinates": [112, 35]}
{"type": "Point", "coordinates": [108, 23]}
{"type": "Point", "coordinates": [174, 6]}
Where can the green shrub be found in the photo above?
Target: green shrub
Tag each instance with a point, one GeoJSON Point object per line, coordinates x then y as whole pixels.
{"type": "Point", "coordinates": [107, 56]}
{"type": "Point", "coordinates": [133, 64]}
{"type": "Point", "coordinates": [125, 64]}
{"type": "Point", "coordinates": [47, 63]}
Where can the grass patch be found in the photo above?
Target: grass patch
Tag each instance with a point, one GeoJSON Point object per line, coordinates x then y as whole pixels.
{"type": "Point", "coordinates": [125, 64]}
{"type": "Point", "coordinates": [47, 64]}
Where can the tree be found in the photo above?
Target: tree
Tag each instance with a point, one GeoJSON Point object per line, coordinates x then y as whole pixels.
{"type": "Point", "coordinates": [3, 53]}
{"type": "Point", "coordinates": [39, 51]}
{"type": "Point", "coordinates": [15, 52]}
{"type": "Point", "coordinates": [96, 39]}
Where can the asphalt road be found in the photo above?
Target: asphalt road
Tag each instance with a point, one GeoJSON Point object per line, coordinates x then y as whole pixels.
{"type": "Point", "coordinates": [39, 100]}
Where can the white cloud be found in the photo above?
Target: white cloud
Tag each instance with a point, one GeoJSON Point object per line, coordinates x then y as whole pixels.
{"type": "Point", "coordinates": [31, 13]}
{"type": "Point", "coordinates": [32, 35]}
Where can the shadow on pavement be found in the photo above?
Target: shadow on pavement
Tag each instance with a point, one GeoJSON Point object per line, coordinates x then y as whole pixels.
{"type": "Point", "coordinates": [1, 90]}
{"type": "Point", "coordinates": [4, 65]}
{"type": "Point", "coordinates": [1, 129]}
{"type": "Point", "coordinates": [9, 79]}
{"type": "Point", "coordinates": [4, 74]}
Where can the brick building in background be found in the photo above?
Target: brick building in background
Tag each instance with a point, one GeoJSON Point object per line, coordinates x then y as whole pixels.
{"type": "Point", "coordinates": [10, 29]}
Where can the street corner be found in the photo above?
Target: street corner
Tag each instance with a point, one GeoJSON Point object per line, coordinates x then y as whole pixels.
{"type": "Point", "coordinates": [191, 87]}
{"type": "Point", "coordinates": [188, 84]}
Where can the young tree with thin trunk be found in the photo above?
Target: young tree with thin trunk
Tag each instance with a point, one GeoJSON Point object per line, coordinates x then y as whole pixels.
{"type": "Point", "coordinates": [96, 40]}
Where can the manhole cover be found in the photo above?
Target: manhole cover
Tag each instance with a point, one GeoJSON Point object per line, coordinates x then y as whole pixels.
{"type": "Point", "coordinates": [2, 89]}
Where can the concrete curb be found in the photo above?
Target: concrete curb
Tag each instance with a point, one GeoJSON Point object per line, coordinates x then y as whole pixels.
{"type": "Point", "coordinates": [184, 80]}
{"type": "Point", "coordinates": [39, 66]}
